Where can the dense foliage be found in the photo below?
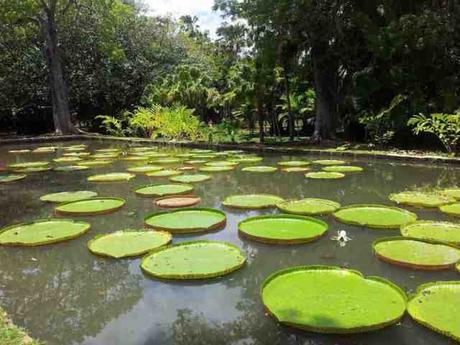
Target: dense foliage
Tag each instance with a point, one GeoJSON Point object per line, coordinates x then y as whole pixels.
{"type": "Point", "coordinates": [331, 69]}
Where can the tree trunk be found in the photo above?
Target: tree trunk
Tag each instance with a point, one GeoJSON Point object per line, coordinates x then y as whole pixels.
{"type": "Point", "coordinates": [261, 118]}
{"type": "Point", "coordinates": [288, 102]}
{"type": "Point", "coordinates": [58, 88]}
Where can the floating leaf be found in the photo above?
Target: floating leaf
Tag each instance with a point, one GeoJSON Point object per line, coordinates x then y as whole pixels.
{"type": "Point", "coordinates": [329, 162]}
{"type": "Point", "coordinates": [324, 175]}
{"type": "Point", "coordinates": [190, 178]}
{"type": "Point", "coordinates": [24, 165]}
{"type": "Point", "coordinates": [343, 168]}
{"type": "Point", "coordinates": [68, 196]}
{"type": "Point", "coordinates": [298, 163]}
{"type": "Point", "coordinates": [252, 201]}
{"type": "Point", "coordinates": [452, 209]}
{"type": "Point", "coordinates": [68, 168]}
{"type": "Point", "coordinates": [111, 177]}
{"type": "Point", "coordinates": [164, 189]}
{"type": "Point", "coordinates": [422, 199]}
{"type": "Point", "coordinates": [67, 159]}
{"type": "Point", "coordinates": [309, 206]}
{"type": "Point", "coordinates": [164, 173]}
{"type": "Point", "coordinates": [11, 177]}
{"type": "Point", "coordinates": [295, 169]}
{"type": "Point", "coordinates": [260, 169]}
{"type": "Point", "coordinates": [178, 201]}
{"type": "Point", "coordinates": [90, 207]}
{"type": "Point", "coordinates": [433, 230]}
{"type": "Point", "coordinates": [216, 169]}
{"type": "Point", "coordinates": [145, 169]}
{"type": "Point", "coordinates": [97, 163]}
{"type": "Point", "coordinates": [453, 192]}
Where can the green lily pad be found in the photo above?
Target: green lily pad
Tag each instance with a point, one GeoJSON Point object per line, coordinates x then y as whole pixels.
{"type": "Point", "coordinates": [375, 216]}
{"type": "Point", "coordinates": [329, 162]}
{"type": "Point", "coordinates": [204, 156]}
{"type": "Point", "coordinates": [145, 169]}
{"type": "Point", "coordinates": [298, 163]}
{"type": "Point", "coordinates": [135, 158]}
{"type": "Point", "coordinates": [417, 254]}
{"type": "Point", "coordinates": [452, 209]}
{"type": "Point", "coordinates": [252, 201]}
{"type": "Point", "coordinates": [111, 177]}
{"type": "Point", "coordinates": [68, 196]}
{"type": "Point", "coordinates": [435, 305]}
{"type": "Point", "coordinates": [453, 192]}
{"type": "Point", "coordinates": [19, 151]}
{"type": "Point", "coordinates": [260, 169]}
{"type": "Point", "coordinates": [196, 161]}
{"type": "Point", "coordinates": [166, 161]}
{"type": "Point", "coordinates": [25, 165]}
{"type": "Point", "coordinates": [324, 175]}
{"type": "Point", "coordinates": [233, 152]}
{"type": "Point", "coordinates": [190, 178]}
{"type": "Point", "coordinates": [295, 169]}
{"type": "Point", "coordinates": [11, 177]}
{"type": "Point", "coordinates": [164, 189]}
{"type": "Point", "coordinates": [95, 163]}
{"type": "Point", "coordinates": [193, 260]}
{"type": "Point", "coordinates": [105, 156]}
{"type": "Point", "coordinates": [45, 149]}
{"type": "Point", "coordinates": [309, 206]}
{"type": "Point", "coordinates": [328, 299]}
{"type": "Point", "coordinates": [282, 229]}
{"type": "Point", "coordinates": [178, 201]}
{"type": "Point", "coordinates": [69, 168]}
{"type": "Point", "coordinates": [108, 150]}
{"type": "Point", "coordinates": [75, 148]}
{"type": "Point", "coordinates": [187, 220]}
{"type": "Point", "coordinates": [221, 164]}
{"type": "Point", "coordinates": [433, 230]}
{"type": "Point", "coordinates": [249, 159]}
{"type": "Point", "coordinates": [342, 168]}
{"type": "Point", "coordinates": [164, 173]}
{"type": "Point", "coordinates": [200, 151]}
{"type": "Point", "coordinates": [43, 231]}
{"type": "Point", "coordinates": [422, 199]}
{"type": "Point", "coordinates": [216, 169]}
{"type": "Point", "coordinates": [67, 159]}
{"type": "Point", "coordinates": [32, 169]}
{"type": "Point", "coordinates": [76, 154]}
{"type": "Point", "coordinates": [90, 207]}
{"type": "Point", "coordinates": [184, 155]}
{"type": "Point", "coordinates": [128, 243]}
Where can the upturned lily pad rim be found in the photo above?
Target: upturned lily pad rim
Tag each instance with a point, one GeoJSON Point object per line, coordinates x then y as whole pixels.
{"type": "Point", "coordinates": [342, 168]}
{"type": "Point", "coordinates": [284, 207]}
{"type": "Point", "coordinates": [202, 229]}
{"type": "Point", "coordinates": [329, 161]}
{"type": "Point", "coordinates": [298, 163]}
{"type": "Point", "coordinates": [448, 199]}
{"type": "Point", "coordinates": [184, 196]}
{"type": "Point", "coordinates": [190, 189]}
{"type": "Point", "coordinates": [324, 175]}
{"type": "Point", "coordinates": [97, 178]}
{"type": "Point", "coordinates": [70, 168]}
{"type": "Point", "coordinates": [390, 226]}
{"type": "Point", "coordinates": [216, 168]}
{"type": "Point", "coordinates": [48, 197]}
{"type": "Point", "coordinates": [179, 177]}
{"type": "Point", "coordinates": [32, 169]}
{"type": "Point", "coordinates": [452, 191]}
{"type": "Point", "coordinates": [167, 240]}
{"type": "Point", "coordinates": [89, 213]}
{"type": "Point", "coordinates": [412, 265]}
{"type": "Point", "coordinates": [164, 173]}
{"type": "Point", "coordinates": [236, 206]}
{"type": "Point", "coordinates": [445, 209]}
{"type": "Point", "coordinates": [33, 164]}
{"type": "Point", "coordinates": [13, 178]}
{"type": "Point", "coordinates": [201, 276]}
{"type": "Point", "coordinates": [51, 241]}
{"type": "Point", "coordinates": [268, 240]}
{"type": "Point", "coordinates": [404, 229]}
{"type": "Point", "coordinates": [333, 330]}
{"type": "Point", "coordinates": [260, 169]}
{"type": "Point", "coordinates": [419, 291]}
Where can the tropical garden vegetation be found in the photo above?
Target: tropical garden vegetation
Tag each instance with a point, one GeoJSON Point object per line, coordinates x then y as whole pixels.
{"type": "Point", "coordinates": [385, 73]}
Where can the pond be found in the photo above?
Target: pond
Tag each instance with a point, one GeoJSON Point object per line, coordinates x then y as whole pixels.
{"type": "Point", "coordinates": [63, 294]}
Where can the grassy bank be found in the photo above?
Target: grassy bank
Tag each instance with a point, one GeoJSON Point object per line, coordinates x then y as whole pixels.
{"type": "Point", "coordinates": [13, 335]}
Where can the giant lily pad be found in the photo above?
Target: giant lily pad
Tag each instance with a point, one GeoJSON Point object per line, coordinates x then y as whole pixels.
{"type": "Point", "coordinates": [414, 253]}
{"type": "Point", "coordinates": [68, 196]}
{"type": "Point", "coordinates": [135, 158]}
{"type": "Point", "coordinates": [252, 201]}
{"type": "Point", "coordinates": [260, 169]}
{"type": "Point", "coordinates": [193, 260]}
{"type": "Point", "coordinates": [247, 159]}
{"type": "Point", "coordinates": [298, 163]}
{"type": "Point", "coordinates": [221, 164]}
{"type": "Point", "coordinates": [11, 177]}
{"type": "Point", "coordinates": [433, 230]}
{"type": "Point", "coordinates": [76, 154]}
{"type": "Point", "coordinates": [188, 220]}
{"type": "Point", "coordinates": [342, 168]}
{"type": "Point", "coordinates": [295, 169]}
{"type": "Point", "coordinates": [324, 175]}
{"type": "Point", "coordinates": [43, 231]}
{"type": "Point", "coordinates": [177, 201]}
{"type": "Point", "coordinates": [19, 151]}
{"type": "Point", "coordinates": [216, 169]}
{"type": "Point", "coordinates": [109, 150]}
{"type": "Point", "coordinates": [332, 300]}
{"type": "Point", "coordinates": [453, 192]}
{"type": "Point", "coordinates": [69, 168]}
{"type": "Point", "coordinates": [196, 161]}
{"type": "Point", "coordinates": [190, 178]}
{"type": "Point", "coordinates": [329, 162]}
{"type": "Point", "coordinates": [309, 206]}
{"type": "Point", "coordinates": [164, 189]}
{"type": "Point", "coordinates": [111, 177]}
{"type": "Point", "coordinates": [95, 163]}
{"type": "Point", "coordinates": [24, 165]}
{"type": "Point", "coordinates": [89, 207]}
{"type": "Point", "coordinates": [128, 243]}
{"type": "Point", "coordinates": [104, 156]}
{"type": "Point", "coordinates": [67, 159]}
{"type": "Point", "coordinates": [422, 199]}
{"type": "Point", "coordinates": [164, 173]}
{"type": "Point", "coordinates": [452, 209]}
{"type": "Point", "coordinates": [32, 169]}
{"type": "Point", "coordinates": [282, 229]}
{"type": "Point", "coordinates": [375, 216]}
{"type": "Point", "coordinates": [145, 169]}
{"type": "Point", "coordinates": [166, 161]}
{"type": "Point", "coordinates": [436, 306]}
{"type": "Point", "coordinates": [45, 149]}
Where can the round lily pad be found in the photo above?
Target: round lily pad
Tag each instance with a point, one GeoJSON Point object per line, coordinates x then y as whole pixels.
{"type": "Point", "coordinates": [45, 149]}
{"type": "Point", "coordinates": [249, 159]}
{"type": "Point", "coordinates": [282, 229]}
{"type": "Point", "coordinates": [166, 161]}
{"type": "Point", "coordinates": [68, 196]}
{"type": "Point", "coordinates": [108, 150]}
{"type": "Point", "coordinates": [135, 158]}
{"type": "Point", "coordinates": [298, 163]}
{"type": "Point", "coordinates": [433, 230]}
{"type": "Point", "coordinates": [295, 169]}
{"type": "Point", "coordinates": [252, 201]}
{"type": "Point", "coordinates": [184, 155]}
{"type": "Point", "coordinates": [38, 164]}
{"type": "Point", "coordinates": [32, 169]}
{"type": "Point", "coordinates": [111, 177]}
{"type": "Point", "coordinates": [200, 151]}
{"type": "Point", "coordinates": [76, 154]}
{"type": "Point", "coordinates": [145, 169]}
{"type": "Point", "coordinates": [327, 299]}
{"type": "Point", "coordinates": [260, 169]}
{"type": "Point", "coordinates": [67, 159]}
{"type": "Point", "coordinates": [452, 209]}
{"type": "Point", "coordinates": [186, 168]}
{"type": "Point", "coordinates": [193, 260]}
{"type": "Point", "coordinates": [329, 162]}
{"type": "Point", "coordinates": [68, 168]}
{"type": "Point", "coordinates": [164, 189]}
{"type": "Point", "coordinates": [11, 177]}
{"type": "Point", "coordinates": [436, 306]}
{"type": "Point", "coordinates": [75, 148]}
{"type": "Point", "coordinates": [216, 169]}
{"type": "Point", "coordinates": [164, 173]}
{"type": "Point", "coordinates": [453, 192]}
{"type": "Point", "coordinates": [196, 161]}
{"type": "Point", "coordinates": [19, 151]}
{"type": "Point", "coordinates": [422, 199]}
{"type": "Point", "coordinates": [178, 201]}
{"type": "Point", "coordinates": [190, 178]}
{"type": "Point", "coordinates": [342, 168]}
{"type": "Point", "coordinates": [89, 207]}
{"type": "Point", "coordinates": [95, 163]}
{"type": "Point", "coordinates": [221, 164]}
{"type": "Point", "coordinates": [375, 216]}
{"type": "Point", "coordinates": [104, 156]}
{"type": "Point", "coordinates": [128, 243]}
{"type": "Point", "coordinates": [324, 175]}
{"type": "Point", "coordinates": [309, 206]}
{"type": "Point", "coordinates": [417, 254]}
{"type": "Point", "coordinates": [43, 231]}
{"type": "Point", "coordinates": [188, 220]}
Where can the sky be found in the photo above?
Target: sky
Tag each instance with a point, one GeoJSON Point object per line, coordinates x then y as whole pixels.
{"type": "Point", "coordinates": [207, 18]}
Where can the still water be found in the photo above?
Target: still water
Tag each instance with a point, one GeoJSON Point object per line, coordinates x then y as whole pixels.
{"type": "Point", "coordinates": [65, 295]}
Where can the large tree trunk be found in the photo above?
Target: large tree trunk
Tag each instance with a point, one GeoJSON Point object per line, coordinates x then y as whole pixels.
{"type": "Point", "coordinates": [261, 118]}
{"type": "Point", "coordinates": [58, 88]}
{"type": "Point", "coordinates": [288, 102]}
